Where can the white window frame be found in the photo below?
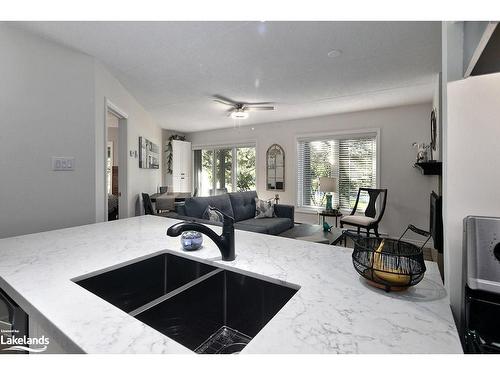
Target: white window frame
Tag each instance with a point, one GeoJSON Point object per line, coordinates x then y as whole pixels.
{"type": "Point", "coordinates": [233, 147]}
{"type": "Point", "coordinates": [324, 136]}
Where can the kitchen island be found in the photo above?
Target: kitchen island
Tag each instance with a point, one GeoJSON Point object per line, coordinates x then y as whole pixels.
{"type": "Point", "coordinates": [334, 311]}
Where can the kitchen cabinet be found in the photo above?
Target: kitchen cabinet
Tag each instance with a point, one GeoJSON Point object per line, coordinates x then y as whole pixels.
{"type": "Point", "coordinates": [181, 166]}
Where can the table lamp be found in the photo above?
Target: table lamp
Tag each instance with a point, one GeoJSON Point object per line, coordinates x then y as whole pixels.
{"type": "Point", "coordinates": [328, 185]}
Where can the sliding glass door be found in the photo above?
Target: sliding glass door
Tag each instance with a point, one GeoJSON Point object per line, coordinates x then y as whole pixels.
{"type": "Point", "coordinates": [245, 168]}
{"type": "Point", "coordinates": [221, 170]}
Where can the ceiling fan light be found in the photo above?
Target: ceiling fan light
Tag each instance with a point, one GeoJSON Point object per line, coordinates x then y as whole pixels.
{"type": "Point", "coordinates": [239, 115]}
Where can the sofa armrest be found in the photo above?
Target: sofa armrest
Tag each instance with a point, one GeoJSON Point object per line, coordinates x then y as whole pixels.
{"type": "Point", "coordinates": [285, 210]}
{"type": "Point", "coordinates": [180, 209]}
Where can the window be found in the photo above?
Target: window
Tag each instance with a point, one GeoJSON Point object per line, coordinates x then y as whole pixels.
{"type": "Point", "coordinates": [350, 159]}
{"type": "Point", "coordinates": [224, 169]}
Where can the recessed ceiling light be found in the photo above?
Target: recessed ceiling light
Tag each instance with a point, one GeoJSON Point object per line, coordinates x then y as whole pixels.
{"type": "Point", "coordinates": [335, 53]}
{"type": "Point", "coordinates": [239, 114]}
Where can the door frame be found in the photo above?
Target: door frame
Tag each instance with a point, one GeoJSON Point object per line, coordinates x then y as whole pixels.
{"type": "Point", "coordinates": [122, 159]}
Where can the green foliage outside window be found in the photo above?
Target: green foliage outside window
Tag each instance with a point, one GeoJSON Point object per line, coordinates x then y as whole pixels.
{"type": "Point", "coordinates": [245, 168]}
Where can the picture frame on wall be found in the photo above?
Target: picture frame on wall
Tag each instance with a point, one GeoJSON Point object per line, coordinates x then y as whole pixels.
{"type": "Point", "coordinates": [149, 154]}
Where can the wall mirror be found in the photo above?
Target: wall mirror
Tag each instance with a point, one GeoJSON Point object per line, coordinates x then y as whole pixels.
{"type": "Point", "coordinates": [275, 168]}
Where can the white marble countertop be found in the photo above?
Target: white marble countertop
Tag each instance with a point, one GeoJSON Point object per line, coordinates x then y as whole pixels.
{"type": "Point", "coordinates": [334, 311]}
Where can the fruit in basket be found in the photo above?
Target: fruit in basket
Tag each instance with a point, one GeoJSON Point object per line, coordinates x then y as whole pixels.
{"type": "Point", "coordinates": [389, 275]}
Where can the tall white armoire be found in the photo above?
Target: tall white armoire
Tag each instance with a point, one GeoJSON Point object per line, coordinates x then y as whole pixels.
{"type": "Point", "coordinates": [181, 166]}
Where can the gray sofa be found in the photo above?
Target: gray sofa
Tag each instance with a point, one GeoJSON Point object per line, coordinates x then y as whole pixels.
{"type": "Point", "coordinates": [241, 206]}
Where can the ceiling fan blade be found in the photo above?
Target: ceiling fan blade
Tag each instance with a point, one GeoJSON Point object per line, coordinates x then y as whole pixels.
{"type": "Point", "coordinates": [260, 108]}
{"type": "Point", "coordinates": [223, 100]}
{"type": "Point", "coordinates": [253, 104]}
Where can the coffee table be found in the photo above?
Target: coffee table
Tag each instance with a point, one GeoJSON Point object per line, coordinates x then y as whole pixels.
{"type": "Point", "coordinates": [315, 233]}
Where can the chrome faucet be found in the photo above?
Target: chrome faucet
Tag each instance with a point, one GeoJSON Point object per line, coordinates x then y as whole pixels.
{"type": "Point", "coordinates": [224, 242]}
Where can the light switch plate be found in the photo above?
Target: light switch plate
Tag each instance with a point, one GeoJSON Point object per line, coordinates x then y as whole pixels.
{"type": "Point", "coordinates": [60, 163]}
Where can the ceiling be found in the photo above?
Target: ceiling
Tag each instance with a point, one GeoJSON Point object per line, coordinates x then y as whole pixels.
{"type": "Point", "coordinates": [173, 68]}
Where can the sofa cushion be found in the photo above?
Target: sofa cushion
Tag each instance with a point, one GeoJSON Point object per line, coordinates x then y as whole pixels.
{"type": "Point", "coordinates": [196, 206]}
{"type": "Point", "coordinates": [269, 225]}
{"type": "Point", "coordinates": [243, 204]}
{"type": "Point", "coordinates": [263, 208]}
{"type": "Point", "coordinates": [211, 214]}
{"type": "Point", "coordinates": [249, 228]}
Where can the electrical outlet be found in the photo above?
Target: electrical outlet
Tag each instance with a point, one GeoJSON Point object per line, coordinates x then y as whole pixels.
{"type": "Point", "coordinates": [63, 163]}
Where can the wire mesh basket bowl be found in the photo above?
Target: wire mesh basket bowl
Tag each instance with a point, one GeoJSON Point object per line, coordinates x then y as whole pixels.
{"type": "Point", "coordinates": [389, 264]}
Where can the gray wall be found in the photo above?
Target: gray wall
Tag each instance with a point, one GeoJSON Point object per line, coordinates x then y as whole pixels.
{"type": "Point", "coordinates": [46, 109]}
{"type": "Point", "coordinates": [408, 197]}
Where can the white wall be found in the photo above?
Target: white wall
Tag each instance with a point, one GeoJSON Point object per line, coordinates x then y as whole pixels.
{"type": "Point", "coordinates": [46, 109]}
{"type": "Point", "coordinates": [452, 38]}
{"type": "Point", "coordinates": [139, 123]}
{"type": "Point", "coordinates": [473, 158]}
{"type": "Point", "coordinates": [52, 103]}
{"type": "Point", "coordinates": [408, 196]}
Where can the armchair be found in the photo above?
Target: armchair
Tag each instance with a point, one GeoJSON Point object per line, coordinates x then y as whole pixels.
{"type": "Point", "coordinates": [370, 219]}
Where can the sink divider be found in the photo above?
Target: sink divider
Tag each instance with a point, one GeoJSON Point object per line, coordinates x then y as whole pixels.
{"type": "Point", "coordinates": [224, 300]}
{"type": "Point", "coordinates": [174, 292]}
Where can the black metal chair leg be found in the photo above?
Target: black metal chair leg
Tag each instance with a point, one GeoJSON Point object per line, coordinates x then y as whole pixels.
{"type": "Point", "coordinates": [376, 231]}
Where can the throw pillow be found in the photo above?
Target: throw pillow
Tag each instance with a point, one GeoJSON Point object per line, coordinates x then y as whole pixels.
{"type": "Point", "coordinates": [212, 215]}
{"type": "Point", "coordinates": [263, 208]}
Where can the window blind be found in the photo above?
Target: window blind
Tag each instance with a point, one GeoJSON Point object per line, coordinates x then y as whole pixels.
{"type": "Point", "coordinates": [351, 160]}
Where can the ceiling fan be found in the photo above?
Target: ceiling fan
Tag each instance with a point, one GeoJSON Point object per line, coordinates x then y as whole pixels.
{"type": "Point", "coordinates": [239, 110]}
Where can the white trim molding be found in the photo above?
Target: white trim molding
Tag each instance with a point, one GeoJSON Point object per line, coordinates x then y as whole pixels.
{"type": "Point", "coordinates": [212, 146]}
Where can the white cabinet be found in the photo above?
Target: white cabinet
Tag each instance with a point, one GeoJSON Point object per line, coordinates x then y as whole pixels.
{"type": "Point", "coordinates": [181, 184]}
{"type": "Point", "coordinates": [181, 166]}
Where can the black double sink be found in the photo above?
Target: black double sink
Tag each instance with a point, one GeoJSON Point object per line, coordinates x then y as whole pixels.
{"type": "Point", "coordinates": [205, 308]}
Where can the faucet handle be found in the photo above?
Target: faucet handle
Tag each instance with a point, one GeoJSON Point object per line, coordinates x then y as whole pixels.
{"type": "Point", "coordinates": [227, 219]}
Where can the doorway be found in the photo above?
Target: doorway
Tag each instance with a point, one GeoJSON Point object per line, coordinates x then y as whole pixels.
{"type": "Point", "coordinates": [116, 202]}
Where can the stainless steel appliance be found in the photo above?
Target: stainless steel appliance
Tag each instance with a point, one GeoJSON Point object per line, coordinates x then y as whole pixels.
{"type": "Point", "coordinates": [13, 322]}
{"type": "Point", "coordinates": [482, 291]}
{"type": "Point", "coordinates": [483, 253]}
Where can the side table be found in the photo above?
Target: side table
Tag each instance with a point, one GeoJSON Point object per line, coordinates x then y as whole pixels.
{"type": "Point", "coordinates": [336, 214]}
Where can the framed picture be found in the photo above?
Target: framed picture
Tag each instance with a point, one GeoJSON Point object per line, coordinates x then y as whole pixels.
{"type": "Point", "coordinates": [149, 154]}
